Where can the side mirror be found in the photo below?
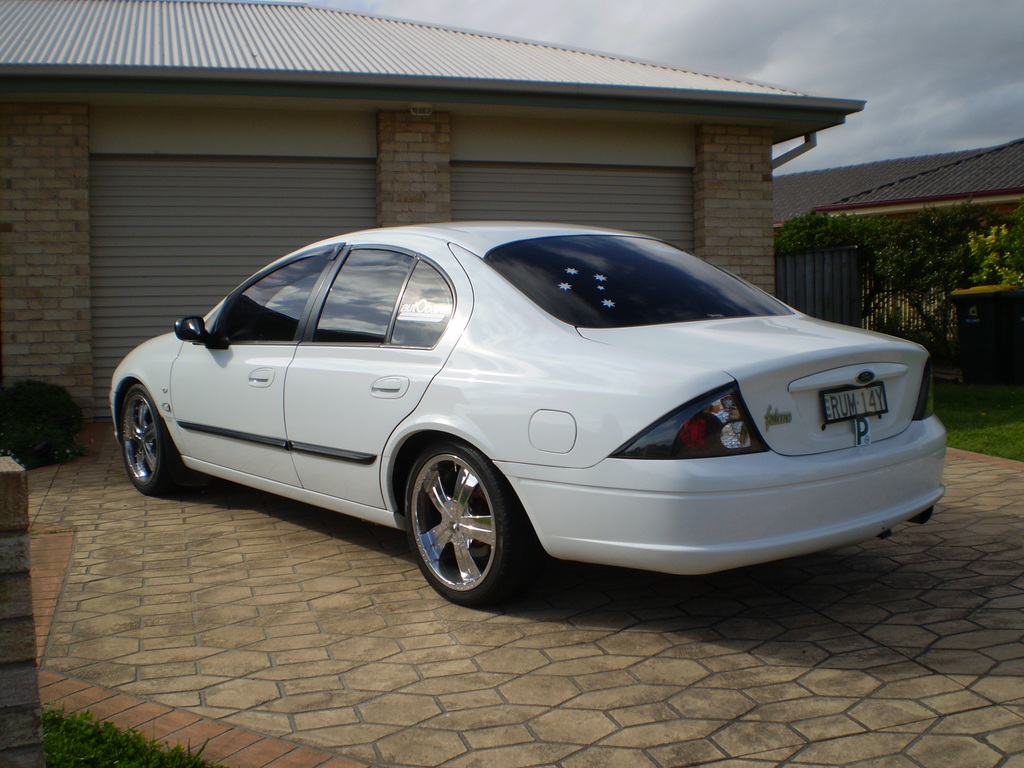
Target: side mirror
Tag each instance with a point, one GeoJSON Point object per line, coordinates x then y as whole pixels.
{"type": "Point", "coordinates": [194, 330]}
{"type": "Point", "coordinates": [191, 329]}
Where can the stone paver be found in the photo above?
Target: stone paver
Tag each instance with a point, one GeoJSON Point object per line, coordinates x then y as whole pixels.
{"type": "Point", "coordinates": [282, 635]}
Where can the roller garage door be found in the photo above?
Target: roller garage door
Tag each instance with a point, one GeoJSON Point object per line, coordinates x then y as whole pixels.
{"type": "Point", "coordinates": [655, 201]}
{"type": "Point", "coordinates": [171, 236]}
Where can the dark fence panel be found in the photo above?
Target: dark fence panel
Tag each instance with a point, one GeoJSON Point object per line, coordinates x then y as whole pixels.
{"type": "Point", "coordinates": [839, 285]}
{"type": "Point", "coordinates": [823, 283]}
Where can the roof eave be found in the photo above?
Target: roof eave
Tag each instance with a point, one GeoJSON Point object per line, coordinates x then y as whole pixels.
{"type": "Point", "coordinates": [814, 111]}
{"type": "Point", "coordinates": [1008, 194]}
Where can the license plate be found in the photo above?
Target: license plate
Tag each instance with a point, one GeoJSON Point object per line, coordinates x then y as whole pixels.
{"type": "Point", "coordinates": [852, 402]}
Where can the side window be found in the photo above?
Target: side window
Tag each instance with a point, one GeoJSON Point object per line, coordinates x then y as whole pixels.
{"type": "Point", "coordinates": [425, 309]}
{"type": "Point", "coordinates": [270, 308]}
{"type": "Point", "coordinates": [362, 300]}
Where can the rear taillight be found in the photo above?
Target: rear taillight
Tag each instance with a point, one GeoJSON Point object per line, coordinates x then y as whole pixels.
{"type": "Point", "coordinates": [926, 396]}
{"type": "Point", "coordinates": [717, 424]}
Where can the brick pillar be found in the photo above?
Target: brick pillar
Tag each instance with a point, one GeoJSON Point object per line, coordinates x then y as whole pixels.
{"type": "Point", "coordinates": [733, 201]}
{"type": "Point", "coordinates": [414, 183]}
{"type": "Point", "coordinates": [44, 245]}
{"type": "Point", "coordinates": [21, 738]}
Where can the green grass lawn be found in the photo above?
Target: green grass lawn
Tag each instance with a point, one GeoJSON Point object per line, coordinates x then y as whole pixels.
{"type": "Point", "coordinates": [983, 418]}
{"type": "Point", "coordinates": [78, 741]}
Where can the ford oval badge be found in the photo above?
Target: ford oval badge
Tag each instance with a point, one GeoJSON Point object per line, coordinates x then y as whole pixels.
{"type": "Point", "coordinates": [865, 377]}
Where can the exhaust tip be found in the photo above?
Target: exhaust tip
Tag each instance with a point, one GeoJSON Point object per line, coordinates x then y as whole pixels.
{"type": "Point", "coordinates": [923, 517]}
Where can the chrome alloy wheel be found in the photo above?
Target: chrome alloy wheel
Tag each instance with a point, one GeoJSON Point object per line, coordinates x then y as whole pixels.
{"type": "Point", "coordinates": [140, 438]}
{"type": "Point", "coordinates": [453, 522]}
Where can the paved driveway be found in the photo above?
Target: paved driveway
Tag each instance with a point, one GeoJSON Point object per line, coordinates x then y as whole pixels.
{"type": "Point", "coordinates": [289, 636]}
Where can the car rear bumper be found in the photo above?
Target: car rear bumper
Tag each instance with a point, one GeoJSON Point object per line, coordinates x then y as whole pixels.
{"type": "Point", "coordinates": [707, 515]}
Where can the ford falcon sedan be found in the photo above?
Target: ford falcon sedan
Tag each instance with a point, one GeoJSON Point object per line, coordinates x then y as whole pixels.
{"type": "Point", "coordinates": [504, 390]}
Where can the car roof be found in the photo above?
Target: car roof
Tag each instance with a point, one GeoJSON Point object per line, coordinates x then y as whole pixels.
{"type": "Point", "coordinates": [476, 236]}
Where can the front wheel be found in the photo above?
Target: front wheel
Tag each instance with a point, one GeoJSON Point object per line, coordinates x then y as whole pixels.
{"type": "Point", "coordinates": [466, 527]}
{"type": "Point", "coordinates": [146, 448]}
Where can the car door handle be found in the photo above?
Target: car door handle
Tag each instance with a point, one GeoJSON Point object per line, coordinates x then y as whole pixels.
{"type": "Point", "coordinates": [390, 387]}
{"type": "Point", "coordinates": [261, 377]}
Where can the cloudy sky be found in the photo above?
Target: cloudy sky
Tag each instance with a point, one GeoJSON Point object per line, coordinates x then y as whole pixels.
{"type": "Point", "coordinates": [937, 75]}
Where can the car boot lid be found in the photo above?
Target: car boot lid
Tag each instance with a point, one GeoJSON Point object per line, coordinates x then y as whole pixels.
{"type": "Point", "coordinates": [810, 387]}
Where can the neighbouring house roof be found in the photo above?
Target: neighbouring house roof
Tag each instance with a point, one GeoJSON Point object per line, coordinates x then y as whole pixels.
{"type": "Point", "coordinates": [83, 45]}
{"type": "Point", "coordinates": [978, 174]}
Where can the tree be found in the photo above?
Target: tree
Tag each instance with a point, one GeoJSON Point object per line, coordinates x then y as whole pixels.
{"type": "Point", "coordinates": [1000, 252]}
{"type": "Point", "coordinates": [909, 266]}
{"type": "Point", "coordinates": [816, 230]}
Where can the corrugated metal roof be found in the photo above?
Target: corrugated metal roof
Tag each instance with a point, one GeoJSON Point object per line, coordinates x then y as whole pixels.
{"type": "Point", "coordinates": [206, 36]}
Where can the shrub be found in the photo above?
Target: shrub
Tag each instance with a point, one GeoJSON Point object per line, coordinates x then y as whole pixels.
{"type": "Point", "coordinates": [815, 230]}
{"type": "Point", "coordinates": [926, 258]}
{"type": "Point", "coordinates": [39, 424]}
{"type": "Point", "coordinates": [1000, 252]}
{"type": "Point", "coordinates": [909, 266]}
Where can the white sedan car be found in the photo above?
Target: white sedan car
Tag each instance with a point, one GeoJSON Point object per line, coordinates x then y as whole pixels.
{"type": "Point", "coordinates": [501, 390]}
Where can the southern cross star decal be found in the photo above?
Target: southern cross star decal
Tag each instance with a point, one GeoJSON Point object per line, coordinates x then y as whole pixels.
{"type": "Point", "coordinates": [599, 280]}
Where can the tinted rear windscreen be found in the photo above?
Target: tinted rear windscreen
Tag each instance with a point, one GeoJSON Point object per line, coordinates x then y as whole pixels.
{"type": "Point", "coordinates": [607, 281]}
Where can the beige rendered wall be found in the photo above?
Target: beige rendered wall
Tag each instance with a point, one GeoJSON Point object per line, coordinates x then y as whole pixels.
{"type": "Point", "coordinates": [153, 130]}
{"type": "Point", "coordinates": [588, 142]}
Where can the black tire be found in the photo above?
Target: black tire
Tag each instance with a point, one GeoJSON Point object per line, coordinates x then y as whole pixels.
{"type": "Point", "coordinates": [149, 454]}
{"type": "Point", "coordinates": [467, 529]}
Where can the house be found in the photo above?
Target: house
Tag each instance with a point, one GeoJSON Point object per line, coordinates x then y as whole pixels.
{"type": "Point", "coordinates": [156, 152]}
{"type": "Point", "coordinates": [992, 176]}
